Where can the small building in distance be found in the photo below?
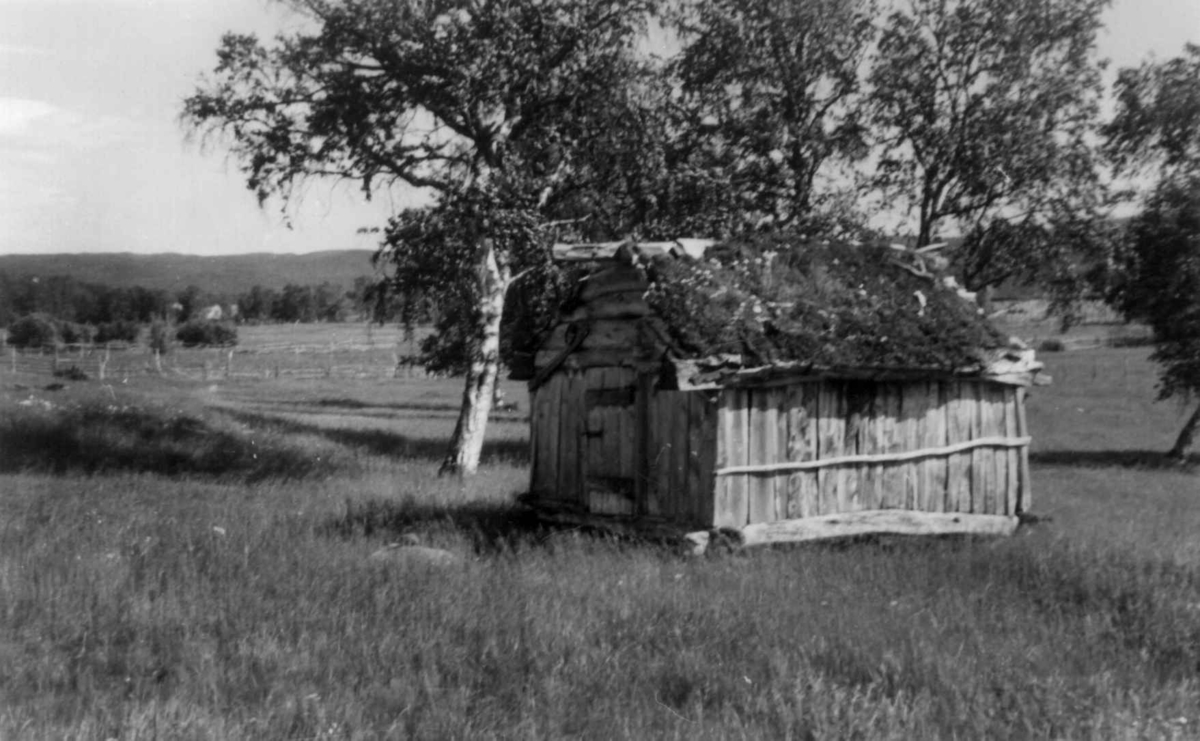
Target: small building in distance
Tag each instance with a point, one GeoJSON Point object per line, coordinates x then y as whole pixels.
{"type": "Point", "coordinates": [782, 389]}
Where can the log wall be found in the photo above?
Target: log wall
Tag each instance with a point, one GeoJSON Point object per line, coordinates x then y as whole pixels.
{"type": "Point", "coordinates": [607, 441]}
{"type": "Point", "coordinates": [953, 446]}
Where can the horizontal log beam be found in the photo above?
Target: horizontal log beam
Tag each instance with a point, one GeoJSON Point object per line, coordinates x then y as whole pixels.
{"type": "Point", "coordinates": [908, 455]}
{"type": "Point", "coordinates": [870, 522]}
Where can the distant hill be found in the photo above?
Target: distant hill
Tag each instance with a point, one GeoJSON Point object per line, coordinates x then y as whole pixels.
{"type": "Point", "coordinates": [228, 274]}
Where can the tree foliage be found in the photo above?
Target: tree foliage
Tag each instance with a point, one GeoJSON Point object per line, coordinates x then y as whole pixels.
{"type": "Point", "coordinates": [1158, 115]}
{"type": "Point", "coordinates": [1155, 275]}
{"type": "Point", "coordinates": [494, 107]}
{"type": "Point", "coordinates": [985, 112]}
{"type": "Point", "coordinates": [767, 98]}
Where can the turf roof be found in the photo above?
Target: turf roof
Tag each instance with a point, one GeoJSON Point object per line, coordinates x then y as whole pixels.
{"type": "Point", "coordinates": [835, 304]}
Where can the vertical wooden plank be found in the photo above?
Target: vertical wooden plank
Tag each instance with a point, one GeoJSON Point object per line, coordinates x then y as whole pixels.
{"type": "Point", "coordinates": [594, 437]}
{"type": "Point", "coordinates": [892, 431]}
{"type": "Point", "coordinates": [859, 399]}
{"type": "Point", "coordinates": [656, 469]}
{"type": "Point", "coordinates": [680, 452]}
{"type": "Point", "coordinates": [782, 399]}
{"type": "Point", "coordinates": [831, 434]}
{"type": "Point", "coordinates": [914, 400]}
{"type": "Point", "coordinates": [959, 413]}
{"type": "Point", "coordinates": [547, 399]}
{"type": "Point", "coordinates": [701, 450]}
{"type": "Point", "coordinates": [571, 464]}
{"type": "Point", "coordinates": [866, 420]}
{"type": "Point", "coordinates": [737, 502]}
{"type": "Point", "coordinates": [537, 418]}
{"type": "Point", "coordinates": [802, 446]}
{"type": "Point", "coordinates": [1012, 483]}
{"type": "Point", "coordinates": [999, 456]}
{"type": "Point", "coordinates": [644, 494]}
{"type": "Point", "coordinates": [935, 434]}
{"type": "Point", "coordinates": [763, 429]}
{"type": "Point", "coordinates": [1025, 495]}
{"type": "Point", "coordinates": [981, 494]}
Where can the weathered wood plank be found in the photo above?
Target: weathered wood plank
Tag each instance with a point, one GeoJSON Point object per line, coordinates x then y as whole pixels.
{"type": "Point", "coordinates": [616, 279]}
{"type": "Point", "coordinates": [763, 428]}
{"type": "Point", "coordinates": [731, 450]}
{"type": "Point", "coordinates": [601, 334]}
{"type": "Point", "coordinates": [860, 398]}
{"type": "Point", "coordinates": [660, 464]}
{"type": "Point", "coordinates": [999, 472]}
{"type": "Point", "coordinates": [1025, 498]}
{"type": "Point", "coordinates": [960, 410]}
{"type": "Point", "coordinates": [677, 433]}
{"type": "Point", "coordinates": [939, 431]}
{"type": "Point", "coordinates": [549, 398]}
{"type": "Point", "coordinates": [831, 432]}
{"type": "Point", "coordinates": [981, 465]}
{"type": "Point", "coordinates": [900, 522]}
{"type": "Point", "coordinates": [643, 439]}
{"type": "Point", "coordinates": [890, 433]}
{"type": "Point", "coordinates": [702, 438]}
{"type": "Point", "coordinates": [1012, 458]}
{"type": "Point", "coordinates": [781, 399]}
{"type": "Point", "coordinates": [629, 304]}
{"type": "Point", "coordinates": [539, 437]}
{"type": "Point", "coordinates": [802, 446]}
{"type": "Point", "coordinates": [619, 356]}
{"type": "Point", "coordinates": [914, 401]}
{"type": "Point", "coordinates": [572, 465]}
{"type": "Point", "coordinates": [865, 433]}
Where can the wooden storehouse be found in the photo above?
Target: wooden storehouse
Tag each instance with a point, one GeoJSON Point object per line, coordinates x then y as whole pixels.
{"type": "Point", "coordinates": [634, 423]}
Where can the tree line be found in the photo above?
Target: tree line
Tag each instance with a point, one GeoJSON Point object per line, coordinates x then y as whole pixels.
{"type": "Point", "coordinates": [75, 311]}
{"type": "Point", "coordinates": [531, 121]}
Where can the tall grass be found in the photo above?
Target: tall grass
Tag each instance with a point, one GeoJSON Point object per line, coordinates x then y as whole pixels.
{"type": "Point", "coordinates": [241, 603]}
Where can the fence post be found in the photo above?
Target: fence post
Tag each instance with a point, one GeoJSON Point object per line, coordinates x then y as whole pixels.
{"type": "Point", "coordinates": [14, 361]}
{"type": "Point", "coordinates": [104, 361]}
{"type": "Point", "coordinates": [229, 366]}
{"type": "Point", "coordinates": [158, 361]}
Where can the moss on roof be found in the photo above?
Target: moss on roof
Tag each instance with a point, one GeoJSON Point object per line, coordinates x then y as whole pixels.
{"type": "Point", "coordinates": [784, 298]}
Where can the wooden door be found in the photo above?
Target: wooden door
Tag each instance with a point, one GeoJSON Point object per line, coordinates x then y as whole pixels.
{"type": "Point", "coordinates": [610, 441]}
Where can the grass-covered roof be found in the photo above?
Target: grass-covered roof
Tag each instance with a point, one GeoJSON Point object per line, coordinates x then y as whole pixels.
{"type": "Point", "coordinates": [782, 298]}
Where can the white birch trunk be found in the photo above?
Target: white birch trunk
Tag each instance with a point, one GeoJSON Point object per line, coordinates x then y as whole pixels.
{"type": "Point", "coordinates": [466, 445]}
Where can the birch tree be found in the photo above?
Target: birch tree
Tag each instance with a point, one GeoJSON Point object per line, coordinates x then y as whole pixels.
{"type": "Point", "coordinates": [986, 113]}
{"type": "Point", "coordinates": [1156, 270]}
{"type": "Point", "coordinates": [491, 106]}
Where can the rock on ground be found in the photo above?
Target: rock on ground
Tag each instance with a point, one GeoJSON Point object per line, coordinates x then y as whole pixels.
{"type": "Point", "coordinates": [415, 555]}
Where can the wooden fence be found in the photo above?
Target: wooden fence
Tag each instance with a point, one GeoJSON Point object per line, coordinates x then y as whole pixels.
{"type": "Point", "coordinates": [285, 362]}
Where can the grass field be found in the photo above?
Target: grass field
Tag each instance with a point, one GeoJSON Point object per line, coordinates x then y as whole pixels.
{"type": "Point", "coordinates": [189, 560]}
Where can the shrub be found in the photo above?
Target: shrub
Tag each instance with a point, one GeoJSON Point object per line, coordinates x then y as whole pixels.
{"type": "Point", "coordinates": [34, 330]}
{"type": "Point", "coordinates": [160, 337]}
{"type": "Point", "coordinates": [72, 373]}
{"type": "Point", "coordinates": [1052, 346]}
{"type": "Point", "coordinates": [118, 331]}
{"type": "Point", "coordinates": [210, 334]}
{"type": "Point", "coordinates": [74, 334]}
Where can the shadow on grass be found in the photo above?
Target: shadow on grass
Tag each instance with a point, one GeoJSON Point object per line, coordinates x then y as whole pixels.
{"type": "Point", "coordinates": [385, 442]}
{"type": "Point", "coordinates": [96, 438]}
{"type": "Point", "coordinates": [1148, 459]}
{"type": "Point", "coordinates": [431, 409]}
{"type": "Point", "coordinates": [492, 527]}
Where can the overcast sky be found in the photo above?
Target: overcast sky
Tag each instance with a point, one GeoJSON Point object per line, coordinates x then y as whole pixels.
{"type": "Point", "coordinates": [92, 158]}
